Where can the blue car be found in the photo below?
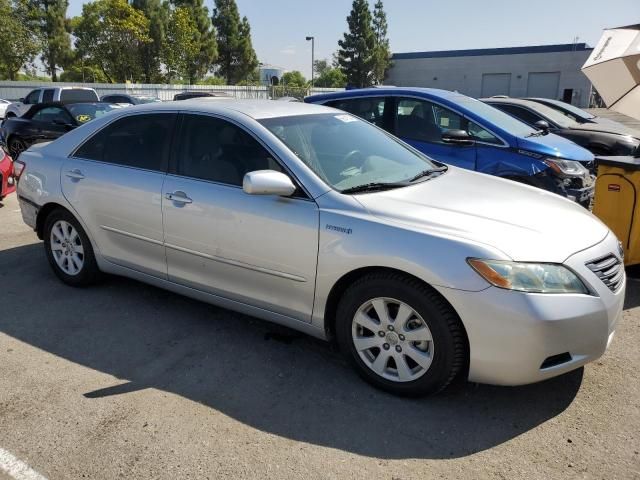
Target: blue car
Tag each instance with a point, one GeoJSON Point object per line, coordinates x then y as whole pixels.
{"type": "Point", "coordinates": [462, 131]}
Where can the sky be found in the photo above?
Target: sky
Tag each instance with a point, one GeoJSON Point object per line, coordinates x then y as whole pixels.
{"type": "Point", "coordinates": [279, 27]}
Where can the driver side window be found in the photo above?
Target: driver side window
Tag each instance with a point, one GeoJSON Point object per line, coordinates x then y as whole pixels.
{"type": "Point", "coordinates": [32, 98]}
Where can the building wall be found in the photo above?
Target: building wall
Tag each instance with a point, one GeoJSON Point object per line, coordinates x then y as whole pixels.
{"type": "Point", "coordinates": [465, 73]}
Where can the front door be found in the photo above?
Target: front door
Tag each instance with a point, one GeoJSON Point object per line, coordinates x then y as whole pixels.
{"type": "Point", "coordinates": [258, 250]}
{"type": "Point", "coordinates": [421, 124]}
{"type": "Point", "coordinates": [50, 123]}
{"type": "Point", "coordinates": [114, 182]}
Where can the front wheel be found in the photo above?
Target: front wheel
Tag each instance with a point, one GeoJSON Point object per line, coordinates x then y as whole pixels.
{"type": "Point", "coordinates": [400, 334]}
{"type": "Point", "coordinates": [69, 250]}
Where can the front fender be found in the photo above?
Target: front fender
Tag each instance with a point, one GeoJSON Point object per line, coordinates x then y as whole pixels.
{"type": "Point", "coordinates": [349, 242]}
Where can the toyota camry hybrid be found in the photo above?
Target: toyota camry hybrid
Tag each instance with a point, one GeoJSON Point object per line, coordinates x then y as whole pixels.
{"type": "Point", "coordinates": [315, 219]}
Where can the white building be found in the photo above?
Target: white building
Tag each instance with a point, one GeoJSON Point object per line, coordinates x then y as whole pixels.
{"type": "Point", "coordinates": [551, 71]}
{"type": "Point", "coordinates": [270, 74]}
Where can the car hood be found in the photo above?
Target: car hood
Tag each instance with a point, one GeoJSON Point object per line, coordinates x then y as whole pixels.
{"type": "Point", "coordinates": [525, 223]}
{"type": "Point", "coordinates": [553, 145]}
{"type": "Point", "coordinates": [607, 127]}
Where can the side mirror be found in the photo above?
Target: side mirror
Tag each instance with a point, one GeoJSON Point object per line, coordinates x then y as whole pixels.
{"type": "Point", "coordinates": [268, 182]}
{"type": "Point", "coordinates": [457, 137]}
{"type": "Point", "coordinates": [542, 125]}
{"type": "Point", "coordinates": [21, 100]}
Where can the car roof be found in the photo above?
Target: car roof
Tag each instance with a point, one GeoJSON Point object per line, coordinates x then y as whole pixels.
{"type": "Point", "coordinates": [516, 101]}
{"type": "Point", "coordinates": [256, 109]}
{"type": "Point", "coordinates": [382, 90]}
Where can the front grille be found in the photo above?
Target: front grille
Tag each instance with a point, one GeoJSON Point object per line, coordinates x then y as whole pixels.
{"type": "Point", "coordinates": [609, 269]}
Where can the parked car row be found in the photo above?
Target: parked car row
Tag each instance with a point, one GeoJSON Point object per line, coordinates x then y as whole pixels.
{"type": "Point", "coordinates": [465, 132]}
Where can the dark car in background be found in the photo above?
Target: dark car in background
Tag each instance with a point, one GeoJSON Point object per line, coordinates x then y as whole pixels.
{"type": "Point", "coordinates": [601, 138]}
{"type": "Point", "coordinates": [47, 121]}
{"type": "Point", "coordinates": [129, 99]}
{"type": "Point", "coordinates": [582, 116]}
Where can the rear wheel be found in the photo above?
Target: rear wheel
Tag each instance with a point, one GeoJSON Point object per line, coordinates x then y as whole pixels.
{"type": "Point", "coordinates": [69, 250]}
{"type": "Point", "coordinates": [16, 146]}
{"type": "Point", "coordinates": [400, 334]}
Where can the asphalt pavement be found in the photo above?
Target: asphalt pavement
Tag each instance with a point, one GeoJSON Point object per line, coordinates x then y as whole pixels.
{"type": "Point", "coordinates": [124, 380]}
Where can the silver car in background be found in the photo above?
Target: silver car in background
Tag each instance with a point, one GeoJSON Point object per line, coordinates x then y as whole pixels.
{"type": "Point", "coordinates": [312, 218]}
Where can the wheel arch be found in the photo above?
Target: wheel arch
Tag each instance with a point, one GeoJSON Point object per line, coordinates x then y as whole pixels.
{"type": "Point", "coordinates": [338, 288]}
{"type": "Point", "coordinates": [43, 213]}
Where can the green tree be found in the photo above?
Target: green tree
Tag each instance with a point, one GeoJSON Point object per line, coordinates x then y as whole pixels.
{"type": "Point", "coordinates": [206, 40]}
{"type": "Point", "coordinates": [238, 59]}
{"type": "Point", "coordinates": [109, 34]}
{"type": "Point", "coordinates": [356, 52]}
{"type": "Point", "coordinates": [157, 12]}
{"type": "Point", "coordinates": [320, 66]}
{"type": "Point", "coordinates": [182, 46]}
{"type": "Point", "coordinates": [382, 52]}
{"type": "Point", "coordinates": [17, 37]}
{"type": "Point", "coordinates": [331, 78]}
{"type": "Point", "coordinates": [84, 74]}
{"type": "Point", "coordinates": [50, 19]}
{"type": "Point", "coordinates": [294, 79]}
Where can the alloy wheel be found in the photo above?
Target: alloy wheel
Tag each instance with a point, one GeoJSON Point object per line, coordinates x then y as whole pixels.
{"type": "Point", "coordinates": [66, 247]}
{"type": "Point", "coordinates": [392, 339]}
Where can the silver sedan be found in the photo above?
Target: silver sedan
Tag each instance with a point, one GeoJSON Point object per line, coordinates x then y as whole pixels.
{"type": "Point", "coordinates": [314, 219]}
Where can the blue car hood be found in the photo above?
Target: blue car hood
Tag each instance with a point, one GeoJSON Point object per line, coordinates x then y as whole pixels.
{"type": "Point", "coordinates": [552, 145]}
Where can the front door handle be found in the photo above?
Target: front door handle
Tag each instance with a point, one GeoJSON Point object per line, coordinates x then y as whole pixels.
{"type": "Point", "coordinates": [75, 174]}
{"type": "Point", "coordinates": [178, 197]}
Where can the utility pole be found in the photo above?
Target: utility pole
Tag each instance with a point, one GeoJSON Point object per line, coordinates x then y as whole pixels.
{"type": "Point", "coordinates": [312, 57]}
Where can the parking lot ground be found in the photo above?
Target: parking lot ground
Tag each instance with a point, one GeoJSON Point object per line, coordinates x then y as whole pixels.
{"type": "Point", "coordinates": [123, 380]}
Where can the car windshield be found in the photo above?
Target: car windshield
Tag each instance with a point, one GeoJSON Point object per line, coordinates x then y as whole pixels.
{"type": "Point", "coordinates": [552, 114]}
{"type": "Point", "coordinates": [347, 152]}
{"type": "Point", "coordinates": [492, 115]}
{"type": "Point", "coordinates": [575, 111]}
{"type": "Point", "coordinates": [85, 112]}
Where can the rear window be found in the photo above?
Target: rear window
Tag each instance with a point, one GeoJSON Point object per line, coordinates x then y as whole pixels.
{"type": "Point", "coordinates": [78, 95]}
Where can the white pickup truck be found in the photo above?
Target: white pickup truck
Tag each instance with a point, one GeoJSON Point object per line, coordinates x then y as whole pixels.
{"type": "Point", "coordinates": [51, 94]}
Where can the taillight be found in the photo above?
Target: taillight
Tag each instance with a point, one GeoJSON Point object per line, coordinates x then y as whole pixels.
{"type": "Point", "coordinates": [18, 168]}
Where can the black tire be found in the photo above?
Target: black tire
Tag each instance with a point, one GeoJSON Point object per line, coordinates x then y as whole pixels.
{"type": "Point", "coordinates": [89, 273]}
{"type": "Point", "coordinates": [16, 146]}
{"type": "Point", "coordinates": [449, 339]}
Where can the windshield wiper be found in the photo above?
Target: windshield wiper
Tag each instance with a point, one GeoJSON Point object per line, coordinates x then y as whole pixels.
{"type": "Point", "coordinates": [428, 173]}
{"type": "Point", "coordinates": [373, 187]}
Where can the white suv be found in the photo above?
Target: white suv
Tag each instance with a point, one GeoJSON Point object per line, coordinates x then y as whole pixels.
{"type": "Point", "coordinates": [54, 94]}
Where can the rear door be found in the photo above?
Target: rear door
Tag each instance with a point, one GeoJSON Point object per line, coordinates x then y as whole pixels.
{"type": "Point", "coordinates": [421, 124]}
{"type": "Point", "coordinates": [254, 249]}
{"type": "Point", "coordinates": [114, 182]}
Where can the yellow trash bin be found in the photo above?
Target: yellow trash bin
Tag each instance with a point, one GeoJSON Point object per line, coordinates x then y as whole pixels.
{"type": "Point", "coordinates": [617, 202]}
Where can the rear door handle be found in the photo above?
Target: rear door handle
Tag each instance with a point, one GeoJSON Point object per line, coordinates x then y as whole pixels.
{"type": "Point", "coordinates": [75, 174]}
{"type": "Point", "coordinates": [178, 197]}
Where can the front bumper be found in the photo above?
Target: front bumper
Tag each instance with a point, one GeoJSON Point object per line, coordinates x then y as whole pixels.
{"type": "Point", "coordinates": [513, 335]}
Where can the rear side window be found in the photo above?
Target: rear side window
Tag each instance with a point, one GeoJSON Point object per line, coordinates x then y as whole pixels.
{"type": "Point", "coordinates": [216, 150]}
{"type": "Point", "coordinates": [47, 95]}
{"type": "Point", "coordinates": [78, 95]}
{"type": "Point", "coordinates": [138, 141]}
{"type": "Point", "coordinates": [32, 98]}
{"type": "Point", "coordinates": [369, 109]}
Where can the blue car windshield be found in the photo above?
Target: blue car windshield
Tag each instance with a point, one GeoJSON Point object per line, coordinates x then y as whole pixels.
{"type": "Point", "coordinates": [493, 116]}
{"type": "Point", "coordinates": [348, 152]}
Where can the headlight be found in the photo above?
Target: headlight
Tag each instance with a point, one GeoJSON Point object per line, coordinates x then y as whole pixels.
{"type": "Point", "coordinates": [566, 168]}
{"type": "Point", "coordinates": [528, 277]}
